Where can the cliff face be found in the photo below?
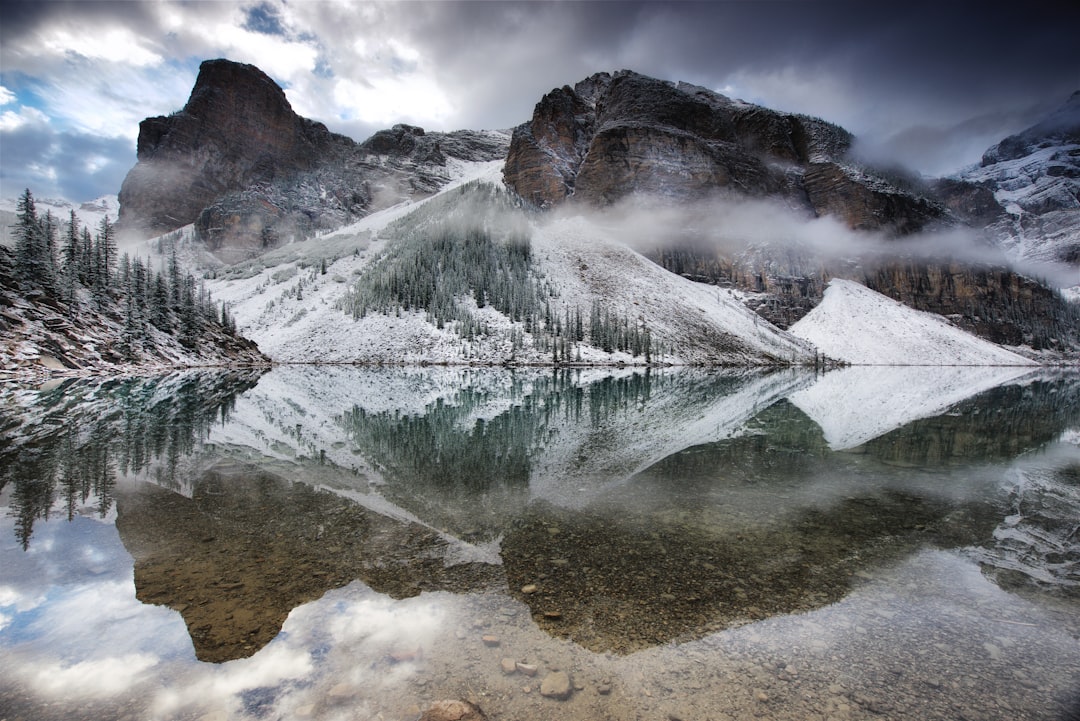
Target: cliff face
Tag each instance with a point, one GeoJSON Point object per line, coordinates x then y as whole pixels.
{"type": "Point", "coordinates": [610, 137]}
{"type": "Point", "coordinates": [251, 174]}
{"type": "Point", "coordinates": [236, 129]}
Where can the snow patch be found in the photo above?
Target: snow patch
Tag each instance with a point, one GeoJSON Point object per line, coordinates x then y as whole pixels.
{"type": "Point", "coordinates": [857, 325]}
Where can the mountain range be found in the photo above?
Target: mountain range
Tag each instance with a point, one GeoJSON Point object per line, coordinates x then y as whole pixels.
{"type": "Point", "coordinates": [629, 220]}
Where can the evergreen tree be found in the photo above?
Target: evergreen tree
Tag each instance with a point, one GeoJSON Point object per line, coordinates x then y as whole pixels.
{"type": "Point", "coordinates": [159, 304]}
{"type": "Point", "coordinates": [33, 265]}
{"type": "Point", "coordinates": [69, 255]}
{"type": "Point", "coordinates": [105, 253]}
{"type": "Point", "coordinates": [87, 265]}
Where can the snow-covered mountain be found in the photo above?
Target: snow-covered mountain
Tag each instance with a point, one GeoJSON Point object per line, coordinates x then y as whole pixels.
{"type": "Point", "coordinates": [89, 213]}
{"type": "Point", "coordinates": [857, 325]}
{"type": "Point", "coordinates": [1035, 176]}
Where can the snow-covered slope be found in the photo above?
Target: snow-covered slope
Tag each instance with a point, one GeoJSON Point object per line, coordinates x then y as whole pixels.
{"type": "Point", "coordinates": [1035, 176]}
{"type": "Point", "coordinates": [290, 307]}
{"type": "Point", "coordinates": [860, 326]}
{"type": "Point", "coordinates": [89, 214]}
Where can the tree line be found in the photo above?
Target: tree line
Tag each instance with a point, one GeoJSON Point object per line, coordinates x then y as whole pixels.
{"type": "Point", "coordinates": [65, 262]}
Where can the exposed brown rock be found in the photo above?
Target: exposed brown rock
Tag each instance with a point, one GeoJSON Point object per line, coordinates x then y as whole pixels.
{"type": "Point", "coordinates": [453, 710]}
{"type": "Point", "coordinates": [237, 128]}
{"type": "Point", "coordinates": [545, 155]}
{"type": "Point", "coordinates": [613, 137]}
{"type": "Point", "coordinates": [867, 203]}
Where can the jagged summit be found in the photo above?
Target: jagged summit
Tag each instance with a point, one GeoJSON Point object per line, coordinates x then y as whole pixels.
{"type": "Point", "coordinates": [1061, 127]}
{"type": "Point", "coordinates": [236, 129]}
{"type": "Point", "coordinates": [251, 174]}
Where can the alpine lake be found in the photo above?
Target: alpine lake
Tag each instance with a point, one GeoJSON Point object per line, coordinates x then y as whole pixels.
{"type": "Point", "coordinates": [335, 542]}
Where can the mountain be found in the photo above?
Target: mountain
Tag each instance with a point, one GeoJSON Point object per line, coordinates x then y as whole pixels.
{"type": "Point", "coordinates": [407, 247]}
{"type": "Point", "coordinates": [1034, 176]}
{"type": "Point", "coordinates": [251, 174]}
{"type": "Point", "coordinates": [857, 325]}
{"type": "Point", "coordinates": [88, 213]}
{"type": "Point", "coordinates": [614, 139]}
{"type": "Point", "coordinates": [532, 289]}
{"type": "Point", "coordinates": [615, 136]}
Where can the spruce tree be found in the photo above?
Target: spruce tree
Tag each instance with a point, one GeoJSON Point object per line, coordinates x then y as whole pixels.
{"type": "Point", "coordinates": [33, 266]}
{"type": "Point", "coordinates": [70, 257]}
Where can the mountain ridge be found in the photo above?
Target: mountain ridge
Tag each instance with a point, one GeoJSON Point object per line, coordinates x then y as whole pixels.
{"type": "Point", "coordinates": [609, 139]}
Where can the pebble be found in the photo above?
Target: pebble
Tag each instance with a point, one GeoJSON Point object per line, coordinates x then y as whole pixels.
{"type": "Point", "coordinates": [452, 711]}
{"type": "Point", "coordinates": [556, 685]}
{"type": "Point", "coordinates": [490, 640]}
{"type": "Point", "coordinates": [603, 689]}
{"type": "Point", "coordinates": [342, 690]}
{"type": "Point", "coordinates": [529, 588]}
{"type": "Point", "coordinates": [508, 665]}
{"type": "Point", "coordinates": [553, 615]}
{"type": "Point", "coordinates": [527, 668]}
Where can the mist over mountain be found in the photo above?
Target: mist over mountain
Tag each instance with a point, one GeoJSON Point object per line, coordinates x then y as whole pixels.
{"type": "Point", "coordinates": [629, 220]}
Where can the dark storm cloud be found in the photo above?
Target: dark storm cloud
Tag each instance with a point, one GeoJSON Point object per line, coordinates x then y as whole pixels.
{"type": "Point", "coordinates": [877, 68]}
{"type": "Point", "coordinates": [929, 84]}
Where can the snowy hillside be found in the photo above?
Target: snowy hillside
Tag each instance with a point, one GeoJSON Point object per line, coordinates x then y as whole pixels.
{"type": "Point", "coordinates": [289, 300]}
{"type": "Point", "coordinates": [859, 326]}
{"type": "Point", "coordinates": [1035, 176]}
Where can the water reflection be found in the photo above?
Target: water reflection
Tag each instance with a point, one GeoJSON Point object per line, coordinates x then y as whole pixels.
{"type": "Point", "coordinates": [66, 444]}
{"type": "Point", "coordinates": [622, 510]}
{"type": "Point", "coordinates": [248, 546]}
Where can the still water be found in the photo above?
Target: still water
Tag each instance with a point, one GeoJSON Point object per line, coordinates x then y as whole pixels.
{"type": "Point", "coordinates": [347, 543]}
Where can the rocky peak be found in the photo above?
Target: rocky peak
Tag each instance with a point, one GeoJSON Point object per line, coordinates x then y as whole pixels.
{"type": "Point", "coordinates": [236, 129]}
{"type": "Point", "coordinates": [1061, 127]}
{"type": "Point", "coordinates": [250, 173]}
{"type": "Point", "coordinates": [1035, 176]}
{"type": "Point", "coordinates": [613, 136]}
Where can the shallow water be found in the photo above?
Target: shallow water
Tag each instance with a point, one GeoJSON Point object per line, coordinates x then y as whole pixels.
{"type": "Point", "coordinates": [343, 543]}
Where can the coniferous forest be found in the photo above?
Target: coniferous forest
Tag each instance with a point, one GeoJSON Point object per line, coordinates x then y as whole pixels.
{"type": "Point", "coordinates": [79, 274]}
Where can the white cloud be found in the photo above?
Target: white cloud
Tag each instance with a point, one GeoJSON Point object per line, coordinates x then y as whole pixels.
{"type": "Point", "coordinates": [6, 96]}
{"type": "Point", "coordinates": [286, 60]}
{"type": "Point", "coordinates": [389, 100]}
{"type": "Point", "coordinates": [115, 45]}
{"type": "Point", "coordinates": [111, 100]}
{"type": "Point", "coordinates": [13, 120]}
{"type": "Point", "coordinates": [95, 678]}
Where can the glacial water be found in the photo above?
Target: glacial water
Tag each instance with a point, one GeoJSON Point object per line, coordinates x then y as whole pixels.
{"type": "Point", "coordinates": [352, 543]}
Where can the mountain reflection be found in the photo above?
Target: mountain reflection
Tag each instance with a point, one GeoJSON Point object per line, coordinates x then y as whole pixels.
{"type": "Point", "coordinates": [625, 509]}
{"type": "Point", "coordinates": [69, 442]}
{"type": "Point", "coordinates": [247, 547]}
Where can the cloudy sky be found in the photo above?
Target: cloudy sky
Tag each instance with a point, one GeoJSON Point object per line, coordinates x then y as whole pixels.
{"type": "Point", "coordinates": [931, 84]}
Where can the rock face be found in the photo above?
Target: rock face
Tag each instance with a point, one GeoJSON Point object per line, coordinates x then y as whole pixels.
{"type": "Point", "coordinates": [237, 129]}
{"type": "Point", "coordinates": [251, 174]}
{"type": "Point", "coordinates": [1035, 176]}
{"type": "Point", "coordinates": [610, 137]}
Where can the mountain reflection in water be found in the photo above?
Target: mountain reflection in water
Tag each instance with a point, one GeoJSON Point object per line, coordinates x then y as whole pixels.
{"type": "Point", "coordinates": [626, 509]}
